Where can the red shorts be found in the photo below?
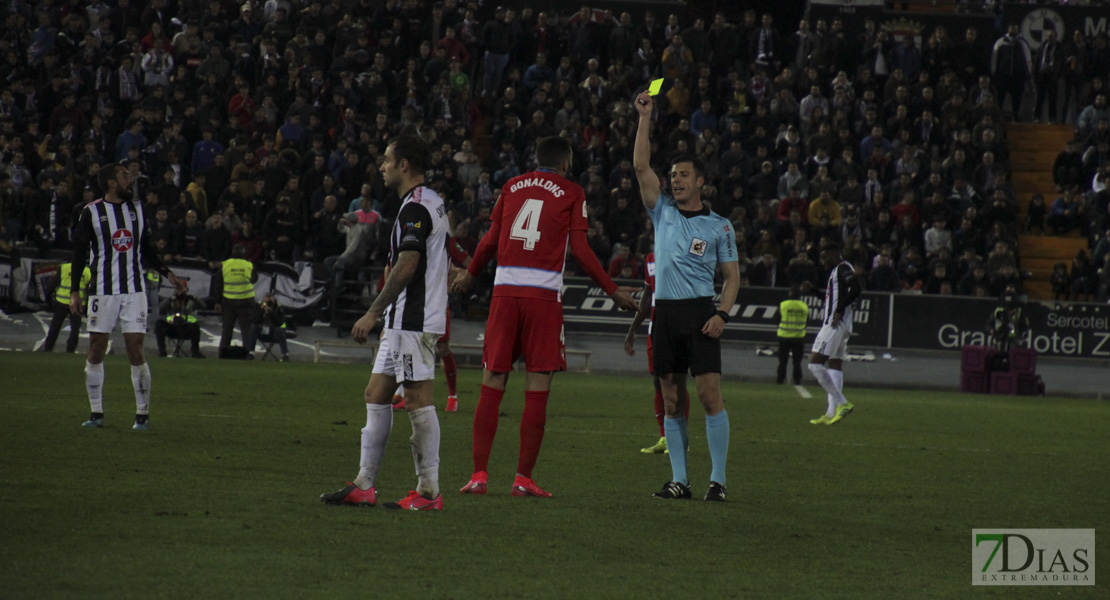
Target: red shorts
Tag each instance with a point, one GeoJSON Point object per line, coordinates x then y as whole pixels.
{"type": "Point", "coordinates": [651, 361]}
{"type": "Point", "coordinates": [446, 337]}
{"type": "Point", "coordinates": [524, 327]}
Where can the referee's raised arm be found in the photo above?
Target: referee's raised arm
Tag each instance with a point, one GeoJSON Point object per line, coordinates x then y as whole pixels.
{"type": "Point", "coordinates": [641, 153]}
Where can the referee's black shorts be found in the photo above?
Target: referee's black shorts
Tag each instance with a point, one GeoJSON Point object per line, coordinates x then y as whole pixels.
{"type": "Point", "coordinates": [677, 341]}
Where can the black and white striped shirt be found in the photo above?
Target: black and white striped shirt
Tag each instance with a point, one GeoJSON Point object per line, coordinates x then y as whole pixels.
{"type": "Point", "coordinates": [113, 239]}
{"type": "Point", "coordinates": [421, 226]}
{"type": "Point", "coordinates": [841, 291]}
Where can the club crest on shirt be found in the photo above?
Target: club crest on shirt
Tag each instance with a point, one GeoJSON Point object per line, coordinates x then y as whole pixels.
{"type": "Point", "coordinates": [122, 240]}
{"type": "Point", "coordinates": [698, 246]}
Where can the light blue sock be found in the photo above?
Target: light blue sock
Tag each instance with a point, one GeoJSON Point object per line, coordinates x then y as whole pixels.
{"type": "Point", "coordinates": [675, 431]}
{"type": "Point", "coordinates": [685, 437]}
{"type": "Point", "coordinates": [716, 430]}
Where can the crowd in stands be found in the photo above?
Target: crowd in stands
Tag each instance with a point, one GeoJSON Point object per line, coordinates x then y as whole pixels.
{"type": "Point", "coordinates": [262, 124]}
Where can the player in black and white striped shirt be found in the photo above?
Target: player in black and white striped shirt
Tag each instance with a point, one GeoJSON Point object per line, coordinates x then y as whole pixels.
{"type": "Point", "coordinates": [112, 238]}
{"type": "Point", "coordinates": [413, 309]}
{"type": "Point", "coordinates": [841, 290]}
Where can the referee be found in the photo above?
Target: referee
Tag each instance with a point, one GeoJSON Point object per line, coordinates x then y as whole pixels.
{"type": "Point", "coordinates": [690, 243]}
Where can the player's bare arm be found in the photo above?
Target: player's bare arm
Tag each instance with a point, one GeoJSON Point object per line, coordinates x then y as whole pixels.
{"type": "Point", "coordinates": [400, 276]}
{"type": "Point", "coordinates": [641, 152]}
{"type": "Point", "coordinates": [463, 282]}
{"type": "Point", "coordinates": [486, 250]}
{"type": "Point", "coordinates": [641, 315]}
{"type": "Point", "coordinates": [178, 283]}
{"type": "Point", "coordinates": [715, 326]}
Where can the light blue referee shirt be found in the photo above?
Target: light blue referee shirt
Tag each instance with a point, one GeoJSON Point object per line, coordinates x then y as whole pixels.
{"type": "Point", "coordinates": [687, 250]}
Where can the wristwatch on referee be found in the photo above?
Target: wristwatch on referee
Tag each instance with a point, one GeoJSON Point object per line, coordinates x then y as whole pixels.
{"type": "Point", "coordinates": [723, 315]}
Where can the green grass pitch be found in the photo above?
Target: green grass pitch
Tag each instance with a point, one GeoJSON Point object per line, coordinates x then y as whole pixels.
{"type": "Point", "coordinates": [221, 498]}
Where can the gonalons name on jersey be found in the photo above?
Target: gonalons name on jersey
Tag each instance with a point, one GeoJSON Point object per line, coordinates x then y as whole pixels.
{"type": "Point", "coordinates": [546, 184]}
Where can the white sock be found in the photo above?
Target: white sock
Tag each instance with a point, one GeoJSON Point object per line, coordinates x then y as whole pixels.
{"type": "Point", "coordinates": [425, 450]}
{"type": "Point", "coordinates": [837, 377]}
{"type": "Point", "coordinates": [379, 422]}
{"type": "Point", "coordinates": [140, 379]}
{"type": "Point", "coordinates": [835, 397]}
{"type": "Point", "coordinates": [94, 385]}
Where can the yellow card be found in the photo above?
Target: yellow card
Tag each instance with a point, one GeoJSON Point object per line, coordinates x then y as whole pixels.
{"type": "Point", "coordinates": [653, 89]}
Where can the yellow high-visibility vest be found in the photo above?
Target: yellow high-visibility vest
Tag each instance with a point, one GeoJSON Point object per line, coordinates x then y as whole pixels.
{"type": "Point", "coordinates": [792, 323]}
{"type": "Point", "coordinates": [63, 293]}
{"type": "Point", "coordinates": [237, 279]}
{"type": "Point", "coordinates": [188, 318]}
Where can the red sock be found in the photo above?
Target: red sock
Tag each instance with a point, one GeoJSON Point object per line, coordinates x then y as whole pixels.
{"type": "Point", "coordinates": [531, 431]}
{"type": "Point", "coordinates": [659, 411]}
{"type": "Point", "coordinates": [485, 425]}
{"type": "Point", "coordinates": [687, 406]}
{"type": "Point", "coordinates": [449, 372]}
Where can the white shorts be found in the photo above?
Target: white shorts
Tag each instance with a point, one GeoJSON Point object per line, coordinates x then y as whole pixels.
{"type": "Point", "coordinates": [407, 355]}
{"type": "Point", "coordinates": [832, 342]}
{"type": "Point", "coordinates": [129, 310]}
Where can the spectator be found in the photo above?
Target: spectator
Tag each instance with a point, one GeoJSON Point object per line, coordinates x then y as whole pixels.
{"type": "Point", "coordinates": [1104, 280]}
{"type": "Point", "coordinates": [1035, 215]}
{"type": "Point", "coordinates": [132, 138]}
{"type": "Point", "coordinates": [280, 233]}
{"type": "Point", "coordinates": [1060, 281]}
{"type": "Point", "coordinates": [765, 272]}
{"type": "Point", "coordinates": [1067, 170]}
{"type": "Point", "coordinates": [360, 231]}
{"type": "Point", "coordinates": [975, 278]}
{"type": "Point", "coordinates": [246, 238]}
{"type": "Point", "coordinates": [1091, 115]}
{"type": "Point", "coordinates": [825, 211]}
{"type": "Point", "coordinates": [884, 277]}
{"type": "Point", "coordinates": [215, 242]}
{"type": "Point", "coordinates": [1084, 276]}
{"type": "Point", "coordinates": [1012, 66]}
{"type": "Point", "coordinates": [624, 260]}
{"type": "Point", "coordinates": [1065, 213]}
{"type": "Point", "coordinates": [938, 236]}
{"type": "Point", "coordinates": [187, 242]}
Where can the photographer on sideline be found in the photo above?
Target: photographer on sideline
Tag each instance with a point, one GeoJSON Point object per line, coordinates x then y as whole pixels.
{"type": "Point", "coordinates": [269, 325]}
{"type": "Point", "coordinates": [180, 321]}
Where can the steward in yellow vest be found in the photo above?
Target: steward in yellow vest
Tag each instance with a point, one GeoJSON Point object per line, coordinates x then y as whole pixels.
{"type": "Point", "coordinates": [62, 297]}
{"type": "Point", "coordinates": [793, 314]}
{"type": "Point", "coordinates": [234, 292]}
{"type": "Point", "coordinates": [62, 293]}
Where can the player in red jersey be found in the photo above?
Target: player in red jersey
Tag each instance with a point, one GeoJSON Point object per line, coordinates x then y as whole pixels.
{"type": "Point", "coordinates": [645, 312]}
{"type": "Point", "coordinates": [459, 258]}
{"type": "Point", "coordinates": [536, 216]}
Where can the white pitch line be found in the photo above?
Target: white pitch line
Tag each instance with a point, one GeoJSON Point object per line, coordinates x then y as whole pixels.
{"type": "Point", "coordinates": [45, 327]}
{"type": "Point", "coordinates": [803, 392]}
{"type": "Point", "coordinates": [207, 343]}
